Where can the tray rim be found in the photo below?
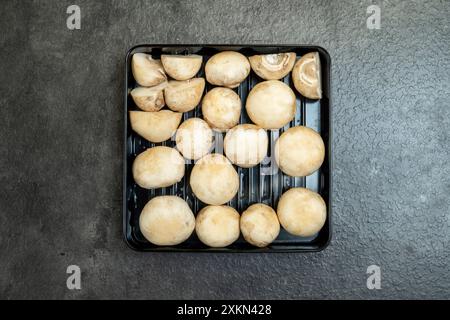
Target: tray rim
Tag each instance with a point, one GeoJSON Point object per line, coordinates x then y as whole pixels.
{"type": "Point", "coordinates": [329, 149]}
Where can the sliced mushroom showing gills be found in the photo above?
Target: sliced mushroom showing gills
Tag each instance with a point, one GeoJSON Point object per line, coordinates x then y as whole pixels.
{"type": "Point", "coordinates": [273, 66]}
{"type": "Point", "coordinates": [147, 71]}
{"type": "Point", "coordinates": [149, 99]}
{"type": "Point", "coordinates": [306, 76]}
{"type": "Point", "coordinates": [155, 126]}
{"type": "Point", "coordinates": [181, 67]}
{"type": "Point", "coordinates": [183, 96]}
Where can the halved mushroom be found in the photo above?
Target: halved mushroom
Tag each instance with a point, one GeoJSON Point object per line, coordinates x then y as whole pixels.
{"type": "Point", "coordinates": [181, 67]}
{"type": "Point", "coordinates": [227, 69]}
{"type": "Point", "coordinates": [155, 126]}
{"type": "Point", "coordinates": [183, 96]}
{"type": "Point", "coordinates": [147, 71]}
{"type": "Point", "coordinates": [273, 66]}
{"type": "Point", "coordinates": [306, 76]}
{"type": "Point", "coordinates": [149, 99]}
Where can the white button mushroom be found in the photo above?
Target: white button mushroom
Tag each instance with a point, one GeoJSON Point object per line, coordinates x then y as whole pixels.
{"type": "Point", "coordinates": [221, 108]}
{"type": "Point", "coordinates": [214, 180]}
{"type": "Point", "coordinates": [147, 71]}
{"type": "Point", "coordinates": [217, 226]}
{"type": "Point", "coordinates": [155, 126]}
{"type": "Point", "coordinates": [271, 104]}
{"type": "Point", "coordinates": [183, 96]}
{"type": "Point", "coordinates": [259, 225]}
{"type": "Point", "coordinates": [194, 138]}
{"type": "Point", "coordinates": [302, 212]}
{"type": "Point", "coordinates": [227, 69]}
{"type": "Point", "coordinates": [166, 221]}
{"type": "Point", "coordinates": [299, 151]}
{"type": "Point", "coordinates": [181, 67]}
{"type": "Point", "coordinates": [149, 99]}
{"type": "Point", "coordinates": [306, 76]}
{"type": "Point", "coordinates": [273, 66]}
{"type": "Point", "coordinates": [246, 145]}
{"type": "Point", "coordinates": [158, 167]}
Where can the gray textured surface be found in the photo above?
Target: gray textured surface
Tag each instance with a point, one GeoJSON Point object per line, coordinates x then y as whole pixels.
{"type": "Point", "coordinates": [61, 165]}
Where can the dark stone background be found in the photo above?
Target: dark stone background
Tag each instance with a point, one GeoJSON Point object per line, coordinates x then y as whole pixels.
{"type": "Point", "coordinates": [61, 165]}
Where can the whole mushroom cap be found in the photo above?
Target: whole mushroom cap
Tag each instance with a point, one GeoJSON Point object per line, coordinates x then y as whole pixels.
{"type": "Point", "coordinates": [221, 108]}
{"type": "Point", "coordinates": [306, 76]}
{"type": "Point", "coordinates": [166, 221]}
{"type": "Point", "coordinates": [259, 225]}
{"type": "Point", "coordinates": [194, 138]}
{"type": "Point", "coordinates": [214, 180]}
{"type": "Point", "coordinates": [271, 104]}
{"type": "Point", "coordinates": [299, 151]}
{"type": "Point", "coordinates": [217, 226]}
{"type": "Point", "coordinates": [246, 145]}
{"type": "Point", "coordinates": [302, 212]}
{"type": "Point", "coordinates": [227, 69]}
{"type": "Point", "coordinates": [273, 66]}
{"type": "Point", "coordinates": [158, 167]}
{"type": "Point", "coordinates": [182, 67]}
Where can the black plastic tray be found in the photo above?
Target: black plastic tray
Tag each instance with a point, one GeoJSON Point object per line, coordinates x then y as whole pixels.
{"type": "Point", "coordinates": [254, 187]}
